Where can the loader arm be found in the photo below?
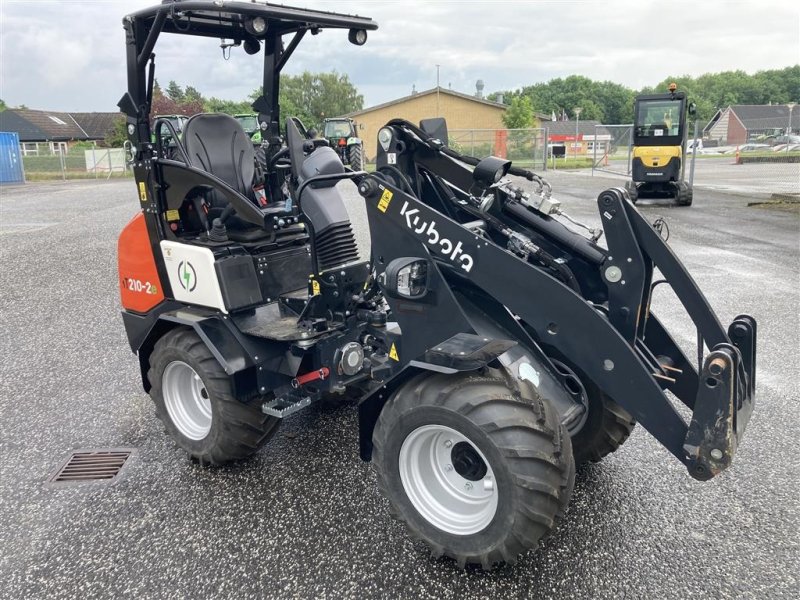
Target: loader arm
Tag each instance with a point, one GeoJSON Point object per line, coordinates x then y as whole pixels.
{"type": "Point", "coordinates": [617, 343]}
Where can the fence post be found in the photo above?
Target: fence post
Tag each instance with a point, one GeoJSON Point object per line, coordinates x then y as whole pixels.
{"type": "Point", "coordinates": [630, 149]}
{"type": "Point", "coordinates": [694, 154]}
{"type": "Point", "coordinates": [94, 162]}
{"type": "Point", "coordinates": [63, 164]}
{"type": "Point", "coordinates": [594, 150]}
{"type": "Point", "coordinates": [110, 165]}
{"type": "Point", "coordinates": [546, 147]}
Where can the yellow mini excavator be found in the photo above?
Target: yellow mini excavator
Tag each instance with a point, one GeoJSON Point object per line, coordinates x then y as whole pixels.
{"type": "Point", "coordinates": [659, 147]}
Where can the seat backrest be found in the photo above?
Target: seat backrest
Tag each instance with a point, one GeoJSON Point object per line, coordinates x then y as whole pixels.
{"type": "Point", "coordinates": [218, 144]}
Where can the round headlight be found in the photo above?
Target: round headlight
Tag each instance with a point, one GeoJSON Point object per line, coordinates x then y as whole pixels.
{"type": "Point", "coordinates": [384, 137]}
{"type": "Point", "coordinates": [358, 36]}
{"type": "Point", "coordinates": [258, 25]}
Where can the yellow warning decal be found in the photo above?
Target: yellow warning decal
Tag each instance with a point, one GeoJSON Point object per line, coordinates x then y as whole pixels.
{"type": "Point", "coordinates": [173, 215]}
{"type": "Point", "coordinates": [142, 192]}
{"type": "Point", "coordinates": [386, 198]}
{"type": "Point", "coordinates": [393, 353]}
{"type": "Point", "coordinates": [315, 291]}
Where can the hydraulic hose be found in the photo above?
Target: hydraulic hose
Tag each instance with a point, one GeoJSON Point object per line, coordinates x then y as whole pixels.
{"type": "Point", "coordinates": [556, 231]}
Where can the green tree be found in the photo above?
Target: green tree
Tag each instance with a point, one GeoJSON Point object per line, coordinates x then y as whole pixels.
{"type": "Point", "coordinates": [230, 107]}
{"type": "Point", "coordinates": [190, 94]}
{"type": "Point", "coordinates": [313, 97]}
{"type": "Point", "coordinates": [2, 105]}
{"type": "Point", "coordinates": [519, 114]}
{"type": "Point", "coordinates": [174, 92]}
{"type": "Point", "coordinates": [116, 137]}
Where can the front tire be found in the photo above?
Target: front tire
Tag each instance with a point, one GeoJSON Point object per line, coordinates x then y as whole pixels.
{"type": "Point", "coordinates": [474, 470]}
{"type": "Point", "coordinates": [194, 399]}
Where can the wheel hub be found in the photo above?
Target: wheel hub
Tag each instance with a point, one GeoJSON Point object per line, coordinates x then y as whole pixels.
{"type": "Point", "coordinates": [186, 400]}
{"type": "Point", "coordinates": [448, 480]}
{"type": "Point", "coordinates": [467, 462]}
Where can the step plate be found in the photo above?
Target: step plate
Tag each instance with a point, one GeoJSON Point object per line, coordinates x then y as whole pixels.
{"type": "Point", "coordinates": [282, 408]}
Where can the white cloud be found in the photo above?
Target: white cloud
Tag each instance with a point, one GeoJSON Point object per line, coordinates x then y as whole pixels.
{"type": "Point", "coordinates": [71, 56]}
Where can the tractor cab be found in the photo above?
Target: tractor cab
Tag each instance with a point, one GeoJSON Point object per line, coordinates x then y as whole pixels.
{"type": "Point", "coordinates": [338, 130]}
{"type": "Point", "coordinates": [250, 124]}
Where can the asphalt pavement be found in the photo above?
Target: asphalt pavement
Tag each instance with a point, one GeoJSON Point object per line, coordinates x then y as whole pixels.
{"type": "Point", "coordinates": [303, 518]}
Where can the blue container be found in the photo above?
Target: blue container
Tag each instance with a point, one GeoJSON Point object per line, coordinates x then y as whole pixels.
{"type": "Point", "coordinates": [11, 169]}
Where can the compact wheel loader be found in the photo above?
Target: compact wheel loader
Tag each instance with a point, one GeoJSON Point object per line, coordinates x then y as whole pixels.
{"type": "Point", "coordinates": [492, 342]}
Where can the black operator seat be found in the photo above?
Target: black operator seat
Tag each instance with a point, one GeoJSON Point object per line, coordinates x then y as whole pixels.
{"type": "Point", "coordinates": [217, 144]}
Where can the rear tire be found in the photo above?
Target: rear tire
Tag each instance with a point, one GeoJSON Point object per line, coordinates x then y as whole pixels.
{"type": "Point", "coordinates": [607, 427]}
{"type": "Point", "coordinates": [194, 400]}
{"type": "Point", "coordinates": [356, 157]}
{"type": "Point", "coordinates": [475, 470]}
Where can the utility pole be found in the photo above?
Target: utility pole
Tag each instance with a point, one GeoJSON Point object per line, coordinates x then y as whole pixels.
{"type": "Point", "coordinates": [791, 106]}
{"type": "Point", "coordinates": [578, 110]}
{"type": "Point", "coordinates": [437, 90]}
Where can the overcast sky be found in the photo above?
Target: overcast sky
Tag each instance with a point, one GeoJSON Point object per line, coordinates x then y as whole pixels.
{"type": "Point", "coordinates": [69, 55]}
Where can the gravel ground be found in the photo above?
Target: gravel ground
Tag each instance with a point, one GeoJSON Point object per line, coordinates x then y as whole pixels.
{"type": "Point", "coordinates": [303, 518]}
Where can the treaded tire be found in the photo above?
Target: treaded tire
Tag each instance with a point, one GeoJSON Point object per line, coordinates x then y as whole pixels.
{"type": "Point", "coordinates": [355, 157]}
{"type": "Point", "coordinates": [525, 446]}
{"type": "Point", "coordinates": [237, 430]}
{"type": "Point", "coordinates": [685, 194]}
{"type": "Point", "coordinates": [607, 427]}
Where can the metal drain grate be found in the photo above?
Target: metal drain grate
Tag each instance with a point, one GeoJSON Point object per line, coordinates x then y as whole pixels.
{"type": "Point", "coordinates": [92, 465]}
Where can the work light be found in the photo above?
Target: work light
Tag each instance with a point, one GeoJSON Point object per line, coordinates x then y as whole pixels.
{"type": "Point", "coordinates": [357, 36]}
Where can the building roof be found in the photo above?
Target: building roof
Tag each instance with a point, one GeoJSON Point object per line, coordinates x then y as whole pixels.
{"type": "Point", "coordinates": [587, 127]}
{"type": "Point", "coordinates": [11, 120]}
{"type": "Point", "coordinates": [760, 116]}
{"type": "Point", "coordinates": [97, 125]}
{"type": "Point", "coordinates": [442, 91]}
{"type": "Point", "coordinates": [48, 125]}
{"type": "Point", "coordinates": [765, 116]}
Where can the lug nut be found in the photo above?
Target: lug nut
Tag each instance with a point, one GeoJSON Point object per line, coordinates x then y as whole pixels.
{"type": "Point", "coordinates": [448, 468]}
{"type": "Point", "coordinates": [448, 443]}
{"type": "Point", "coordinates": [468, 486]}
{"type": "Point", "coordinates": [716, 454]}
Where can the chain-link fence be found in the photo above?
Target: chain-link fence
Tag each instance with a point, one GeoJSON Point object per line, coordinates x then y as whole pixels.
{"type": "Point", "coordinates": [75, 163]}
{"type": "Point", "coordinates": [771, 165]}
{"type": "Point", "coordinates": [612, 148]}
{"type": "Point", "coordinates": [526, 147]}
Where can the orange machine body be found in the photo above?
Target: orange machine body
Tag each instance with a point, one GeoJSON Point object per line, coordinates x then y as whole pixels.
{"type": "Point", "coordinates": [140, 287]}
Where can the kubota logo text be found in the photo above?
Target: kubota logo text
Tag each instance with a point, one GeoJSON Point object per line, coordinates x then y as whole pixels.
{"type": "Point", "coordinates": [452, 251]}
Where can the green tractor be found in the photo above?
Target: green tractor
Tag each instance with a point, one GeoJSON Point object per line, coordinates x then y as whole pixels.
{"type": "Point", "coordinates": [342, 137]}
{"type": "Point", "coordinates": [249, 123]}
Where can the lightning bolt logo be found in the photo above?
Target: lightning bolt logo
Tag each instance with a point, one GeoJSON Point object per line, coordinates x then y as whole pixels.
{"type": "Point", "coordinates": [187, 276]}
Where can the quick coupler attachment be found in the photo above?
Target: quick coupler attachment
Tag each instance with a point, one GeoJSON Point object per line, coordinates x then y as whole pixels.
{"type": "Point", "coordinates": [725, 398]}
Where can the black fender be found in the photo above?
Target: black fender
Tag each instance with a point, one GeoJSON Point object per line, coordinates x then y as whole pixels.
{"type": "Point", "coordinates": [236, 355]}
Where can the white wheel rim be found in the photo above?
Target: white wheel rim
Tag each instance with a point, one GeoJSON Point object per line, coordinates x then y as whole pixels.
{"type": "Point", "coordinates": [454, 499]}
{"type": "Point", "coordinates": [186, 400]}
